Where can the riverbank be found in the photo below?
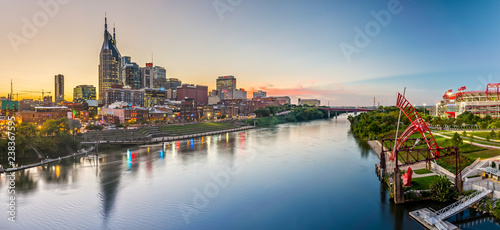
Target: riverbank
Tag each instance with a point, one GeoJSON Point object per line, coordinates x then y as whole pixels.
{"type": "Point", "coordinates": [47, 161]}
{"type": "Point", "coordinates": [154, 135]}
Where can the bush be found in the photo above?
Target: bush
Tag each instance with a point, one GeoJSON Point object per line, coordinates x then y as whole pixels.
{"type": "Point", "coordinates": [441, 189]}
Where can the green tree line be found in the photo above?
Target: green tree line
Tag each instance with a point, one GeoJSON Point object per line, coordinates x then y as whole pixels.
{"type": "Point", "coordinates": [55, 138]}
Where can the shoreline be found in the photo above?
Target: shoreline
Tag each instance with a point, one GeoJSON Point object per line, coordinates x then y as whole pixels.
{"type": "Point", "coordinates": [46, 161]}
{"type": "Point", "coordinates": [152, 141]}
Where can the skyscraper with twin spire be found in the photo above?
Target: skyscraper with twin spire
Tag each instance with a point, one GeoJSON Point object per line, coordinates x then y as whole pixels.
{"type": "Point", "coordinates": [109, 62]}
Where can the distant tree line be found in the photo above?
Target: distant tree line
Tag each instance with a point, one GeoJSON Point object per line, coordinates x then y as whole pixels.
{"type": "Point", "coordinates": [382, 124]}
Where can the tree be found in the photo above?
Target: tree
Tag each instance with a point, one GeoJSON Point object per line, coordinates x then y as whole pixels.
{"type": "Point", "coordinates": [441, 189]}
{"type": "Point", "coordinates": [493, 134]}
{"type": "Point", "coordinates": [74, 127]}
{"type": "Point", "coordinates": [456, 140]}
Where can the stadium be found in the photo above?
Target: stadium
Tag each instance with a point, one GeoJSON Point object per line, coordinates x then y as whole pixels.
{"type": "Point", "coordinates": [481, 103]}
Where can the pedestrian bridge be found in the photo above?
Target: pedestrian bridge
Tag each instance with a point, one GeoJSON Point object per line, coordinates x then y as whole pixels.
{"type": "Point", "coordinates": [435, 219]}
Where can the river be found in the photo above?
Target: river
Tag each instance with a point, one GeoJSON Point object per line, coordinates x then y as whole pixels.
{"type": "Point", "coordinates": [310, 175]}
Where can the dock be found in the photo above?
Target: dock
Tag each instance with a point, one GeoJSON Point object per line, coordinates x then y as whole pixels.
{"type": "Point", "coordinates": [436, 219]}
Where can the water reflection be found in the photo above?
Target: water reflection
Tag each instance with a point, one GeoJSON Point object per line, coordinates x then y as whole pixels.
{"type": "Point", "coordinates": [109, 181]}
{"type": "Point", "coordinates": [364, 148]}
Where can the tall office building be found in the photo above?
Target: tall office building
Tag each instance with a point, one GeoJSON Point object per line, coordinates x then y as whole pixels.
{"type": "Point", "coordinates": [109, 62]}
{"type": "Point", "coordinates": [147, 74]}
{"type": "Point", "coordinates": [131, 73]}
{"type": "Point", "coordinates": [83, 93]}
{"type": "Point", "coordinates": [160, 77]}
{"type": "Point", "coordinates": [59, 87]}
{"type": "Point", "coordinates": [153, 77]}
{"type": "Point", "coordinates": [227, 83]}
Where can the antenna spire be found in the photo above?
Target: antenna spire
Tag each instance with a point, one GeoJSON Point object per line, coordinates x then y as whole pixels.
{"type": "Point", "coordinates": [114, 34]}
{"type": "Point", "coordinates": [105, 21]}
{"type": "Point", "coordinates": [11, 91]}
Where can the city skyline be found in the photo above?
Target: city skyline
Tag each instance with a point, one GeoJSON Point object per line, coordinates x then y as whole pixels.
{"type": "Point", "coordinates": [290, 49]}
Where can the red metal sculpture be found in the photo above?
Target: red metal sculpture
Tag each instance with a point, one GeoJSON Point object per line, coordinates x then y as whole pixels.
{"type": "Point", "coordinates": [417, 125]}
{"type": "Point", "coordinates": [407, 177]}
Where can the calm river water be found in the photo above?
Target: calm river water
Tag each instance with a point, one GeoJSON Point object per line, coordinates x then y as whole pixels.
{"type": "Point", "coordinates": [311, 175]}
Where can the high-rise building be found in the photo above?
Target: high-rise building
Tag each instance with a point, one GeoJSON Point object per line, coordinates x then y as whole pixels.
{"type": "Point", "coordinates": [160, 77]}
{"type": "Point", "coordinates": [109, 62]}
{"type": "Point", "coordinates": [59, 87]}
{"type": "Point", "coordinates": [153, 76]}
{"type": "Point", "coordinates": [83, 93]}
{"type": "Point", "coordinates": [259, 94]}
{"type": "Point", "coordinates": [147, 75]}
{"type": "Point", "coordinates": [132, 76]}
{"type": "Point", "coordinates": [226, 83]}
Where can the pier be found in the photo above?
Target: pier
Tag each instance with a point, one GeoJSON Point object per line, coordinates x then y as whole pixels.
{"type": "Point", "coordinates": [436, 219]}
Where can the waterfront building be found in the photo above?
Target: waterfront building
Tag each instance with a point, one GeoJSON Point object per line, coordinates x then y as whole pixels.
{"type": "Point", "coordinates": [259, 94]}
{"type": "Point", "coordinates": [157, 116]}
{"type": "Point", "coordinates": [59, 87]}
{"type": "Point", "coordinates": [125, 114]}
{"type": "Point", "coordinates": [109, 63]}
{"type": "Point", "coordinates": [190, 110]}
{"type": "Point", "coordinates": [123, 94]}
{"type": "Point", "coordinates": [208, 112]}
{"type": "Point", "coordinates": [82, 93]}
{"type": "Point", "coordinates": [312, 102]}
{"type": "Point", "coordinates": [198, 93]}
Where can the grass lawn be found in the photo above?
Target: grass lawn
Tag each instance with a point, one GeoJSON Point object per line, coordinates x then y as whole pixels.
{"type": "Point", "coordinates": [195, 128]}
{"type": "Point", "coordinates": [422, 171]}
{"type": "Point", "coordinates": [484, 154]}
{"type": "Point", "coordinates": [422, 183]}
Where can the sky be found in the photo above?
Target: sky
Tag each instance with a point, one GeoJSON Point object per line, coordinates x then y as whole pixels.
{"type": "Point", "coordinates": [343, 52]}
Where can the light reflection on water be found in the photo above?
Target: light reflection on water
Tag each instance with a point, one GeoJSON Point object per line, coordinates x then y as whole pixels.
{"type": "Point", "coordinates": [292, 176]}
